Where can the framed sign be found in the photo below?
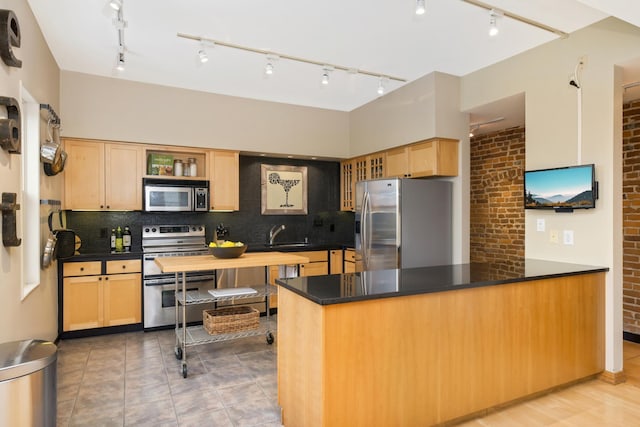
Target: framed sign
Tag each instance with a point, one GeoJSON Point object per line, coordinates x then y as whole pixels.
{"type": "Point", "coordinates": [284, 190]}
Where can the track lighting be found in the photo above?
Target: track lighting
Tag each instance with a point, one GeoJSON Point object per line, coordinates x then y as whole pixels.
{"type": "Point", "coordinates": [120, 61]}
{"type": "Point", "coordinates": [272, 57]}
{"type": "Point", "coordinates": [420, 7]}
{"type": "Point", "coordinates": [493, 25]}
{"type": "Point", "coordinates": [115, 4]}
{"type": "Point", "coordinates": [381, 83]}
{"type": "Point", "coordinates": [202, 55]}
{"type": "Point", "coordinates": [268, 68]}
{"type": "Point", "coordinates": [325, 75]}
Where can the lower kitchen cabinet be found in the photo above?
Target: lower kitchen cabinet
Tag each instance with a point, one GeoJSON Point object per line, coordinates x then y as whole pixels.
{"type": "Point", "coordinates": [336, 259]}
{"type": "Point", "coordinates": [349, 261]}
{"type": "Point", "coordinates": [318, 264]}
{"type": "Point", "coordinates": [97, 294]}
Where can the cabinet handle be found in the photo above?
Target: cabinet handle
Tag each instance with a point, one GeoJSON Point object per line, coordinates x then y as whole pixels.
{"type": "Point", "coordinates": [101, 206]}
{"type": "Point", "coordinates": [106, 278]}
{"type": "Point", "coordinates": [81, 268]}
{"type": "Point", "coordinates": [108, 207]}
{"type": "Point", "coordinates": [100, 278]}
{"type": "Point", "coordinates": [124, 267]}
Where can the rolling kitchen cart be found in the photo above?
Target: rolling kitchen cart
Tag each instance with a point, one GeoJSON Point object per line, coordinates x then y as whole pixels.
{"type": "Point", "coordinates": [188, 336]}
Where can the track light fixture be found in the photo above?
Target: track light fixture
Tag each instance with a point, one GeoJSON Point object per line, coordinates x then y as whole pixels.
{"type": "Point", "coordinates": [115, 4]}
{"type": "Point", "coordinates": [381, 85]}
{"type": "Point", "coordinates": [493, 25]}
{"type": "Point", "coordinates": [120, 61]}
{"type": "Point", "coordinates": [120, 24]}
{"type": "Point", "coordinates": [202, 55]}
{"type": "Point", "coordinates": [274, 56]}
{"type": "Point", "coordinates": [420, 7]}
{"type": "Point", "coordinates": [325, 76]}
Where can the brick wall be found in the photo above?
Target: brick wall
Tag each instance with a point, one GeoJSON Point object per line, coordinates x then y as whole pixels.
{"type": "Point", "coordinates": [631, 216]}
{"type": "Point", "coordinates": [497, 199]}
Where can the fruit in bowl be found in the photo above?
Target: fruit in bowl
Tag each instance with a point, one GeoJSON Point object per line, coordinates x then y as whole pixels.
{"type": "Point", "coordinates": [227, 249]}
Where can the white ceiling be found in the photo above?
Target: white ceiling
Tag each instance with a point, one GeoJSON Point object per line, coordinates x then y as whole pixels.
{"type": "Point", "coordinates": [382, 36]}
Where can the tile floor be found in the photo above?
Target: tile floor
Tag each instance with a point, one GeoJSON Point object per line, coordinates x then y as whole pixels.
{"type": "Point", "coordinates": [134, 379]}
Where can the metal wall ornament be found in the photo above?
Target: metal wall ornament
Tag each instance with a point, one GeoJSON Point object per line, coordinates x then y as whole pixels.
{"type": "Point", "coordinates": [9, 36]}
{"type": "Point", "coordinates": [284, 190]}
{"type": "Point", "coordinates": [9, 208]}
{"type": "Point", "coordinates": [10, 127]}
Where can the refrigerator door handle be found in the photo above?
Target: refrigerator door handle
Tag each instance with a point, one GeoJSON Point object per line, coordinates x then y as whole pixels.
{"type": "Point", "coordinates": [364, 233]}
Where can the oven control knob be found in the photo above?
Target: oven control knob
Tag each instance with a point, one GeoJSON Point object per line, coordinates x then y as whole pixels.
{"type": "Point", "coordinates": [153, 230]}
{"type": "Point", "coordinates": [200, 228]}
{"type": "Point", "coordinates": [146, 230]}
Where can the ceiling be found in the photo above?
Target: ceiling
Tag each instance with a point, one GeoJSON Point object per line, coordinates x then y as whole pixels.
{"type": "Point", "coordinates": [382, 36]}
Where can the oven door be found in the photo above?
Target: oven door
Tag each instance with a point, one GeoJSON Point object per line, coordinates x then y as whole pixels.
{"type": "Point", "coordinates": [159, 198]}
{"type": "Point", "coordinates": [160, 302]}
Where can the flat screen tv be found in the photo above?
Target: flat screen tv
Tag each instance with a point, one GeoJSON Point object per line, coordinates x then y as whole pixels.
{"type": "Point", "coordinates": [563, 189]}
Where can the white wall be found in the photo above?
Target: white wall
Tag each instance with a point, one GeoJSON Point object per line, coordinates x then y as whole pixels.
{"type": "Point", "coordinates": [552, 140]}
{"type": "Point", "coordinates": [36, 315]}
{"type": "Point", "coordinates": [114, 109]}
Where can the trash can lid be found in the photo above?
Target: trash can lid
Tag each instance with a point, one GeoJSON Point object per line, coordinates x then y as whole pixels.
{"type": "Point", "coordinates": [19, 358]}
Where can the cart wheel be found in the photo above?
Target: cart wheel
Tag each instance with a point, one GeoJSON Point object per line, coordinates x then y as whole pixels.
{"type": "Point", "coordinates": [178, 353]}
{"type": "Point", "coordinates": [184, 370]}
{"type": "Point", "coordinates": [269, 338]}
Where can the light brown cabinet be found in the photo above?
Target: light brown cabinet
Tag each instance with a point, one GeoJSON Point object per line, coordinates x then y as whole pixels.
{"type": "Point", "coordinates": [318, 264]}
{"type": "Point", "coordinates": [101, 293]}
{"type": "Point", "coordinates": [99, 175]}
{"type": "Point", "coordinates": [335, 261]}
{"type": "Point", "coordinates": [435, 157]}
{"type": "Point", "coordinates": [358, 169]}
{"type": "Point", "coordinates": [349, 261]}
{"type": "Point", "coordinates": [224, 180]}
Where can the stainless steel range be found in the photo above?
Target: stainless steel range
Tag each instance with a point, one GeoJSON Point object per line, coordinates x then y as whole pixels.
{"type": "Point", "coordinates": [159, 288]}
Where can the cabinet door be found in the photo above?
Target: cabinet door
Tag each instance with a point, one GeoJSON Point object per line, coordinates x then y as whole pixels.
{"type": "Point", "coordinates": [347, 185]}
{"type": "Point", "coordinates": [396, 162]}
{"type": "Point", "coordinates": [376, 163]}
{"type": "Point", "coordinates": [274, 272]}
{"type": "Point", "coordinates": [224, 176]}
{"type": "Point", "coordinates": [122, 299]}
{"type": "Point", "coordinates": [84, 175]}
{"type": "Point", "coordinates": [433, 158]}
{"type": "Point", "coordinates": [335, 261]}
{"type": "Point", "coordinates": [82, 307]}
{"type": "Point", "coordinates": [123, 176]}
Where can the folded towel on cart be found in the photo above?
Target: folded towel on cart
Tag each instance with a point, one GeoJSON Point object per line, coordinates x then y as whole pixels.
{"type": "Point", "coordinates": [231, 292]}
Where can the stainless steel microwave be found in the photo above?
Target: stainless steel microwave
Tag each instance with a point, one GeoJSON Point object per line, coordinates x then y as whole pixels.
{"type": "Point", "coordinates": [175, 195]}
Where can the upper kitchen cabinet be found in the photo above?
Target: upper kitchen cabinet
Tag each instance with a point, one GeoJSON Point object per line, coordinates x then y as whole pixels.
{"type": "Point", "coordinates": [433, 157]}
{"type": "Point", "coordinates": [357, 169]}
{"type": "Point", "coordinates": [224, 180]}
{"type": "Point", "coordinates": [98, 175]}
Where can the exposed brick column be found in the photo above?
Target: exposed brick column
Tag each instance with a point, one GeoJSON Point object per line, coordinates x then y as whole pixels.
{"type": "Point", "coordinates": [631, 216]}
{"type": "Point", "coordinates": [497, 196]}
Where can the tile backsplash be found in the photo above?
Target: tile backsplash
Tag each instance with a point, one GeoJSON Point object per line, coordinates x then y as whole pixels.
{"type": "Point", "coordinates": [324, 223]}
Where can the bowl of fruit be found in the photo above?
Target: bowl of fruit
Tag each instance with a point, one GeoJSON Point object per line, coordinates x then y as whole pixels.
{"type": "Point", "coordinates": [227, 249]}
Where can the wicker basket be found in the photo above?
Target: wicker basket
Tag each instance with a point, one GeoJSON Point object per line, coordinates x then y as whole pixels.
{"type": "Point", "coordinates": [230, 319]}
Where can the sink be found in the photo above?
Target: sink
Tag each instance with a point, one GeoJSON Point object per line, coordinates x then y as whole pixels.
{"type": "Point", "coordinates": [288, 245]}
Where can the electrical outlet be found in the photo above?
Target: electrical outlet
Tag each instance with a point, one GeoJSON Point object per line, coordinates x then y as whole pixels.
{"type": "Point", "coordinates": [540, 224]}
{"type": "Point", "coordinates": [553, 236]}
{"type": "Point", "coordinates": [567, 237]}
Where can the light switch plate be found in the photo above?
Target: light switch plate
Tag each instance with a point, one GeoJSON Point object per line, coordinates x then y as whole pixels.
{"type": "Point", "coordinates": [567, 237]}
{"type": "Point", "coordinates": [540, 224]}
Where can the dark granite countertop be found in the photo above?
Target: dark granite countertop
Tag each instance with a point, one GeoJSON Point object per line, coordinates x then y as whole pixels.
{"type": "Point", "coordinates": [341, 288]}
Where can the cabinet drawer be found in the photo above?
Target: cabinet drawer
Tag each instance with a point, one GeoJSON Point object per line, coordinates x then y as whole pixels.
{"type": "Point", "coordinates": [315, 256]}
{"type": "Point", "coordinates": [124, 266]}
{"type": "Point", "coordinates": [350, 255]}
{"type": "Point", "coordinates": [87, 268]}
{"type": "Point", "coordinates": [314, 269]}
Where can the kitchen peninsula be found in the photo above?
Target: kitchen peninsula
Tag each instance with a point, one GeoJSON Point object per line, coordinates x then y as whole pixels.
{"type": "Point", "coordinates": [429, 345]}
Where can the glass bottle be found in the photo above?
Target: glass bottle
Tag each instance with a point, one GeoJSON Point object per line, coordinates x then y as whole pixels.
{"type": "Point", "coordinates": [126, 239]}
{"type": "Point", "coordinates": [177, 167]}
{"type": "Point", "coordinates": [113, 240]}
{"type": "Point", "coordinates": [193, 167]}
{"type": "Point", "coordinates": [119, 244]}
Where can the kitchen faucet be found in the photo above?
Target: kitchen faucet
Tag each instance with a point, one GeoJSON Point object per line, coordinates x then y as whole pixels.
{"type": "Point", "coordinates": [275, 230]}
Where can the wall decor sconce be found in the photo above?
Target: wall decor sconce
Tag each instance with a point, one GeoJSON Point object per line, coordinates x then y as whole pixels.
{"type": "Point", "coordinates": [10, 127]}
{"type": "Point", "coordinates": [9, 36]}
{"type": "Point", "coordinates": [9, 208]}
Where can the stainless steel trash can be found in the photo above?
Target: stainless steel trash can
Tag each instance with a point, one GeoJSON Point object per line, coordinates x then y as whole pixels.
{"type": "Point", "coordinates": [28, 383]}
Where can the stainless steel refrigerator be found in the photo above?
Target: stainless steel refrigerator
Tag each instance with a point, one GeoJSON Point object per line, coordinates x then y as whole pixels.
{"type": "Point", "coordinates": [403, 223]}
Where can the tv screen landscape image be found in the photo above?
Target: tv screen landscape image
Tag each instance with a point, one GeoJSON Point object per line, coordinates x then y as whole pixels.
{"type": "Point", "coordinates": [560, 188]}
